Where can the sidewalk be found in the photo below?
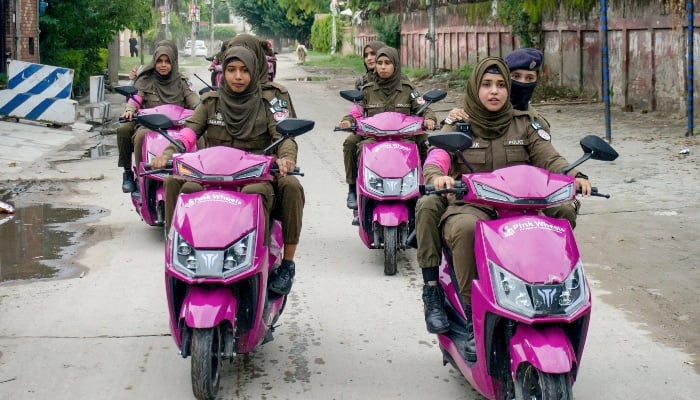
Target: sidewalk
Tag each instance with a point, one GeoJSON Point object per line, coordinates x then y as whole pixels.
{"type": "Point", "coordinates": [30, 150]}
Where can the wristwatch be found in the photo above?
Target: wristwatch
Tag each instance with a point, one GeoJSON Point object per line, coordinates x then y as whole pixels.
{"type": "Point", "coordinates": [581, 175]}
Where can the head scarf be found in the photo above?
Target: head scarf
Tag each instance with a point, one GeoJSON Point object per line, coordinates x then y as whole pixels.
{"type": "Point", "coordinates": [168, 87]}
{"type": "Point", "coordinates": [374, 45]}
{"type": "Point", "coordinates": [487, 124]}
{"type": "Point", "coordinates": [244, 113]}
{"type": "Point", "coordinates": [390, 84]}
{"type": "Point", "coordinates": [257, 47]}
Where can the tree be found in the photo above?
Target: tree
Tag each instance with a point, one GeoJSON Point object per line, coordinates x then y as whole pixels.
{"type": "Point", "coordinates": [269, 18]}
{"type": "Point", "coordinates": [73, 33]}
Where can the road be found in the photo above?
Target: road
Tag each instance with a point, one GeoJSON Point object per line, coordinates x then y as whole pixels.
{"type": "Point", "coordinates": [348, 332]}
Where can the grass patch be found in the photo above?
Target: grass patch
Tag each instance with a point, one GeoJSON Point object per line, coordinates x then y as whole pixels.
{"type": "Point", "coordinates": [352, 62]}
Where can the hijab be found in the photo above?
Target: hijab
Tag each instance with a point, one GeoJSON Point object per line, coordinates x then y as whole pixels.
{"type": "Point", "coordinates": [486, 124]}
{"type": "Point", "coordinates": [167, 87]}
{"type": "Point", "coordinates": [244, 113]}
{"type": "Point", "coordinates": [390, 84]}
{"type": "Point", "coordinates": [255, 45]}
{"type": "Point", "coordinates": [374, 45]}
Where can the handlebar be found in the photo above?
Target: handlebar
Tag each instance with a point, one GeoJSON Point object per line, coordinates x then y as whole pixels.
{"type": "Point", "coordinates": [460, 189]}
{"type": "Point", "coordinates": [169, 169]}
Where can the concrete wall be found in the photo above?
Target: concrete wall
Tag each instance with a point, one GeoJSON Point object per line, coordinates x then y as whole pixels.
{"type": "Point", "coordinates": [647, 50]}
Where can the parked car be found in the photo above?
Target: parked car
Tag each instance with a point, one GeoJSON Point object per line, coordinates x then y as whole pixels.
{"type": "Point", "coordinates": [200, 49]}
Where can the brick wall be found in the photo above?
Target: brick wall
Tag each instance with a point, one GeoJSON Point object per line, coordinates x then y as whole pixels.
{"type": "Point", "coordinates": [22, 30]}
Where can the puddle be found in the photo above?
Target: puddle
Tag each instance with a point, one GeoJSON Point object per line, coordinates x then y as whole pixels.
{"type": "Point", "coordinates": [311, 78]}
{"type": "Point", "coordinates": [101, 150]}
{"type": "Point", "coordinates": [37, 240]}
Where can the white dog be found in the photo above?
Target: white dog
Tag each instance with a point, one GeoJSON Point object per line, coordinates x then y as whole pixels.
{"type": "Point", "coordinates": [301, 53]}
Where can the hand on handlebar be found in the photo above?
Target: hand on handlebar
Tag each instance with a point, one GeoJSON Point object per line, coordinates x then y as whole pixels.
{"type": "Point", "coordinates": [159, 162]}
{"type": "Point", "coordinates": [285, 166]}
{"type": "Point", "coordinates": [128, 115]}
{"type": "Point", "coordinates": [429, 124]}
{"type": "Point", "coordinates": [344, 124]}
{"type": "Point", "coordinates": [443, 182]}
{"type": "Point", "coordinates": [583, 186]}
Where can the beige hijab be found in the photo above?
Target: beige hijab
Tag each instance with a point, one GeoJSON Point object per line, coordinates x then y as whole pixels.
{"type": "Point", "coordinates": [168, 87]}
{"type": "Point", "coordinates": [244, 113]}
{"type": "Point", "coordinates": [486, 124]}
{"type": "Point", "coordinates": [390, 84]}
{"type": "Point", "coordinates": [256, 46]}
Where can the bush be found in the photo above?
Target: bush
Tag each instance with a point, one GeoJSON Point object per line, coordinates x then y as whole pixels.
{"type": "Point", "coordinates": [321, 34]}
{"type": "Point", "coordinates": [388, 29]}
{"type": "Point", "coordinates": [84, 64]}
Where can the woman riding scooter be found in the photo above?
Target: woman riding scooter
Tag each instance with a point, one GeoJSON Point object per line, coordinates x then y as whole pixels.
{"type": "Point", "coordinates": [500, 139]}
{"type": "Point", "coordinates": [237, 116]}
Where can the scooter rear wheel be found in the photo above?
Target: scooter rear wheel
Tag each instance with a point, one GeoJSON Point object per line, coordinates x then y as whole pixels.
{"type": "Point", "coordinates": [533, 384]}
{"type": "Point", "coordinates": [391, 247]}
{"type": "Point", "coordinates": [207, 347]}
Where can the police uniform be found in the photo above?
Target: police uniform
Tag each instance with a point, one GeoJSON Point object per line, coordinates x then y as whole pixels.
{"type": "Point", "coordinates": [406, 100]}
{"type": "Point", "coordinates": [127, 143]}
{"type": "Point", "coordinates": [525, 142]}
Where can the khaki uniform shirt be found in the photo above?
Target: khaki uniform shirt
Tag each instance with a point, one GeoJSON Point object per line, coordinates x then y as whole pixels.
{"type": "Point", "coordinates": [209, 123]}
{"type": "Point", "coordinates": [525, 142]}
{"type": "Point", "coordinates": [405, 100]}
{"type": "Point", "coordinates": [151, 98]}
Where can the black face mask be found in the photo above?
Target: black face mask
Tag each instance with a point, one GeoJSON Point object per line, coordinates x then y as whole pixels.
{"type": "Point", "coordinates": [520, 94]}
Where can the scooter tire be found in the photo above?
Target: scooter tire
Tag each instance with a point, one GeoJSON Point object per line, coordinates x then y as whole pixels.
{"type": "Point", "coordinates": [207, 347]}
{"type": "Point", "coordinates": [531, 383]}
{"type": "Point", "coordinates": [391, 248]}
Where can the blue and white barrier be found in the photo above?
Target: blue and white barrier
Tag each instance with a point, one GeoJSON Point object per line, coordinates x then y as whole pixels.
{"type": "Point", "coordinates": [39, 92]}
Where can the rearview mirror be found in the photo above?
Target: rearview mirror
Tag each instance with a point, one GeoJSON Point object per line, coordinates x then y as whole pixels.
{"type": "Point", "coordinates": [452, 142]}
{"type": "Point", "coordinates": [434, 95]}
{"type": "Point", "coordinates": [127, 91]}
{"type": "Point", "coordinates": [294, 126]}
{"type": "Point", "coordinates": [351, 95]}
{"type": "Point", "coordinates": [155, 121]}
{"type": "Point", "coordinates": [598, 148]}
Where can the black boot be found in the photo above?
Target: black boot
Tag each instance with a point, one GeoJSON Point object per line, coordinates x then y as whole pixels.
{"type": "Point", "coordinates": [352, 200]}
{"type": "Point", "coordinates": [128, 184]}
{"type": "Point", "coordinates": [435, 318]}
{"type": "Point", "coordinates": [470, 344]}
{"type": "Point", "coordinates": [282, 278]}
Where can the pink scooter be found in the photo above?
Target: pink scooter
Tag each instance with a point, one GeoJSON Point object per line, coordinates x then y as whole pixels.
{"type": "Point", "coordinates": [216, 261]}
{"type": "Point", "coordinates": [149, 199]}
{"type": "Point", "coordinates": [389, 173]}
{"type": "Point", "coordinates": [531, 303]}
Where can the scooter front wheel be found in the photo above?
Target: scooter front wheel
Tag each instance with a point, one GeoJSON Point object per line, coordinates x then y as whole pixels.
{"type": "Point", "coordinates": [207, 347]}
{"type": "Point", "coordinates": [533, 384]}
{"type": "Point", "coordinates": [391, 247]}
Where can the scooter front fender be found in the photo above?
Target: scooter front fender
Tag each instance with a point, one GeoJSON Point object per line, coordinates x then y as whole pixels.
{"type": "Point", "coordinates": [390, 214]}
{"type": "Point", "coordinates": [206, 307]}
{"type": "Point", "coordinates": [547, 348]}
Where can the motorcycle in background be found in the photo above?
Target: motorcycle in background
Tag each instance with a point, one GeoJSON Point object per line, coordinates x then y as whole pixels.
{"type": "Point", "coordinates": [531, 302]}
{"type": "Point", "coordinates": [389, 173]}
{"type": "Point", "coordinates": [218, 260]}
{"type": "Point", "coordinates": [149, 198]}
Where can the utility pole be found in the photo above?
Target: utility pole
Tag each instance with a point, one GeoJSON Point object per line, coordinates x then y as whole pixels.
{"type": "Point", "coordinates": [431, 36]}
{"type": "Point", "coordinates": [167, 19]}
{"type": "Point", "coordinates": [211, 29]}
{"type": "Point", "coordinates": [193, 17]}
{"type": "Point", "coordinates": [334, 12]}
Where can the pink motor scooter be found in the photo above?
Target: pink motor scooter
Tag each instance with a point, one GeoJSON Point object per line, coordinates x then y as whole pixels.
{"type": "Point", "coordinates": [389, 174]}
{"type": "Point", "coordinates": [531, 302]}
{"type": "Point", "coordinates": [149, 199]}
{"type": "Point", "coordinates": [217, 263]}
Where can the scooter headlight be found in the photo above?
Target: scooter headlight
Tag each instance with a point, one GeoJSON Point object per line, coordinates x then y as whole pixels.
{"type": "Point", "coordinates": [530, 300]}
{"type": "Point", "coordinates": [213, 263]}
{"type": "Point", "coordinates": [391, 186]}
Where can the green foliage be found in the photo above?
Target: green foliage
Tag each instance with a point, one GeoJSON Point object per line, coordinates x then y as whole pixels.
{"type": "Point", "coordinates": [3, 79]}
{"type": "Point", "coordinates": [513, 13]}
{"type": "Point", "coordinates": [352, 62]}
{"type": "Point", "coordinates": [73, 32]}
{"type": "Point", "coordinates": [321, 34]}
{"type": "Point", "coordinates": [388, 29]}
{"type": "Point", "coordinates": [269, 19]}
{"type": "Point", "coordinates": [299, 10]}
{"type": "Point", "coordinates": [224, 32]}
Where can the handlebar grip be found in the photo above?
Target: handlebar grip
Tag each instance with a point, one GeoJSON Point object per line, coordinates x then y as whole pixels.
{"type": "Point", "coordinates": [459, 188]}
{"type": "Point", "coordinates": [352, 128]}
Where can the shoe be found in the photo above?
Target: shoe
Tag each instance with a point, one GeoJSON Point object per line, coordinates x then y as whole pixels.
{"type": "Point", "coordinates": [435, 318]}
{"type": "Point", "coordinates": [352, 200]}
{"type": "Point", "coordinates": [470, 344]}
{"type": "Point", "coordinates": [282, 278]}
{"type": "Point", "coordinates": [355, 221]}
{"type": "Point", "coordinates": [128, 184]}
